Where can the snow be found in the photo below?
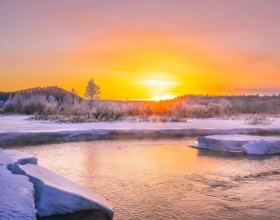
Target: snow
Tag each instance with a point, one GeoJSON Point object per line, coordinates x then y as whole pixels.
{"type": "Point", "coordinates": [55, 194]}
{"type": "Point", "coordinates": [17, 201]}
{"type": "Point", "coordinates": [241, 143]}
{"type": "Point", "coordinates": [16, 130]}
{"type": "Point", "coordinates": [12, 157]}
{"type": "Point", "coordinates": [22, 124]}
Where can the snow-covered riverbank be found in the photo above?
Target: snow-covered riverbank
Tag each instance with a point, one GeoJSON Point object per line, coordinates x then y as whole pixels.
{"type": "Point", "coordinates": [39, 190]}
{"type": "Point", "coordinates": [17, 193]}
{"type": "Point", "coordinates": [18, 130]}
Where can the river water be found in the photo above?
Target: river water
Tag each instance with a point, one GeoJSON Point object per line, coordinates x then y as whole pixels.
{"type": "Point", "coordinates": [168, 179]}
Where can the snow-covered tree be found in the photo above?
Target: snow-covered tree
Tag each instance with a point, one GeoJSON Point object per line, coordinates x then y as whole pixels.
{"type": "Point", "coordinates": [92, 92]}
{"type": "Point", "coordinates": [35, 104]}
{"type": "Point", "coordinates": [9, 105]}
{"type": "Point", "coordinates": [73, 96]}
{"type": "Point", "coordinates": [225, 106]}
{"type": "Point", "coordinates": [18, 102]}
{"type": "Point", "coordinates": [67, 101]}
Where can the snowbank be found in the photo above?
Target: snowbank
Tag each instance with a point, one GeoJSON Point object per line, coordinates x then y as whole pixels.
{"type": "Point", "coordinates": [17, 193]}
{"type": "Point", "coordinates": [17, 130]}
{"type": "Point", "coordinates": [55, 194]}
{"type": "Point", "coordinates": [241, 143]}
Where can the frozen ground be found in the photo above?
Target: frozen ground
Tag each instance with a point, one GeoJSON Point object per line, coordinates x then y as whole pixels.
{"type": "Point", "coordinates": [241, 143]}
{"type": "Point", "coordinates": [17, 130]}
{"type": "Point", "coordinates": [17, 201]}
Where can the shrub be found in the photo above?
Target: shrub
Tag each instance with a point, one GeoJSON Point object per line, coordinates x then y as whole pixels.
{"type": "Point", "coordinates": [257, 120]}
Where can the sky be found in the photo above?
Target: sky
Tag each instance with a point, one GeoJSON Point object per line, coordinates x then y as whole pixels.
{"type": "Point", "coordinates": [146, 49]}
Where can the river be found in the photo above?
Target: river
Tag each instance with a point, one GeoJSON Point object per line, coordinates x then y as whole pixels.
{"type": "Point", "coordinates": [168, 179]}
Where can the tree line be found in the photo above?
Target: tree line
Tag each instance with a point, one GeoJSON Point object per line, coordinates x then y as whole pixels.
{"type": "Point", "coordinates": [72, 108]}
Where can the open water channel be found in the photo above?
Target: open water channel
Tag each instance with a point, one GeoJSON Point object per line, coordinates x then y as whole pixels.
{"type": "Point", "coordinates": [168, 179]}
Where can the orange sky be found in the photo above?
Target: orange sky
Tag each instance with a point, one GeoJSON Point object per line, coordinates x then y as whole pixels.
{"type": "Point", "coordinates": [143, 49]}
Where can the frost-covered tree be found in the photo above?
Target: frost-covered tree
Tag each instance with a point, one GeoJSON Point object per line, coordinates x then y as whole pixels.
{"type": "Point", "coordinates": [213, 109]}
{"type": "Point", "coordinates": [18, 102]}
{"type": "Point", "coordinates": [52, 105]}
{"type": "Point", "coordinates": [73, 96]}
{"type": "Point", "coordinates": [180, 110]}
{"type": "Point", "coordinates": [9, 105]}
{"type": "Point", "coordinates": [92, 92]}
{"type": "Point", "coordinates": [67, 101]}
{"type": "Point", "coordinates": [36, 104]}
{"type": "Point", "coordinates": [225, 106]}
{"type": "Point", "coordinates": [52, 99]}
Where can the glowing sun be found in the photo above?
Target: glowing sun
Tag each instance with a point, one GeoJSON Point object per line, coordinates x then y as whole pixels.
{"type": "Point", "coordinates": [167, 96]}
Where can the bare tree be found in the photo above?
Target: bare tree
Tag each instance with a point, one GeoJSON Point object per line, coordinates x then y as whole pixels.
{"type": "Point", "coordinates": [92, 93]}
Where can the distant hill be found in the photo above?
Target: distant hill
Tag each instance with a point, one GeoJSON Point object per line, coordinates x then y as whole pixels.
{"type": "Point", "coordinates": [56, 91]}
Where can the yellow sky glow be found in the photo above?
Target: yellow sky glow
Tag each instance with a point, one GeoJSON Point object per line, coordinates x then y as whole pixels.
{"type": "Point", "coordinates": [187, 48]}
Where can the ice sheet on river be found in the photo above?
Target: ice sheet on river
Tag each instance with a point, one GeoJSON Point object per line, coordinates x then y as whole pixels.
{"type": "Point", "coordinates": [241, 143]}
{"type": "Point", "coordinates": [16, 200]}
{"type": "Point", "coordinates": [55, 194]}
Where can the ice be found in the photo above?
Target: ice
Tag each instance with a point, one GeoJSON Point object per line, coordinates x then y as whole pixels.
{"type": "Point", "coordinates": [258, 147]}
{"type": "Point", "coordinates": [241, 143]}
{"type": "Point", "coordinates": [17, 193]}
{"type": "Point", "coordinates": [55, 194]}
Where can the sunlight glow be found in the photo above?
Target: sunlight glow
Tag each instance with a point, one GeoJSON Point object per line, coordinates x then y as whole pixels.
{"type": "Point", "coordinates": [158, 83]}
{"type": "Point", "coordinates": [167, 96]}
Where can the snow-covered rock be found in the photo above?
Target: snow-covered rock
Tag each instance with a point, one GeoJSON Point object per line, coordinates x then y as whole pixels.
{"type": "Point", "coordinates": [16, 192]}
{"type": "Point", "coordinates": [55, 194]}
{"type": "Point", "coordinates": [240, 143]}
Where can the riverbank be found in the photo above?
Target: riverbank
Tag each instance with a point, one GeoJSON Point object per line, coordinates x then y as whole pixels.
{"type": "Point", "coordinates": [19, 130]}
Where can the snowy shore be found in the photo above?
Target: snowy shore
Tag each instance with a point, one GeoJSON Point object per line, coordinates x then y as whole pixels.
{"type": "Point", "coordinates": [37, 190]}
{"type": "Point", "coordinates": [18, 130]}
{"type": "Point", "coordinates": [17, 193]}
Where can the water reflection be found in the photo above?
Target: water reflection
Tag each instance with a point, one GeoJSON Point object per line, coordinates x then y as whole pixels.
{"type": "Point", "coordinates": [81, 215]}
{"type": "Point", "coordinates": [167, 179]}
{"type": "Point", "coordinates": [231, 155]}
